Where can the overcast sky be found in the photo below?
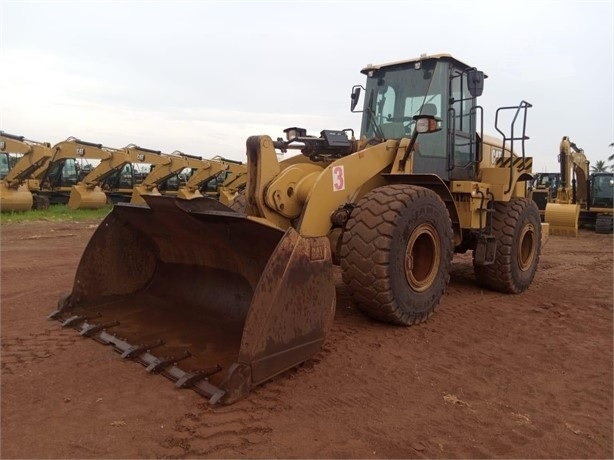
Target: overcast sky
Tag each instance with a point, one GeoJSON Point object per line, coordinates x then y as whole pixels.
{"type": "Point", "coordinates": [202, 76]}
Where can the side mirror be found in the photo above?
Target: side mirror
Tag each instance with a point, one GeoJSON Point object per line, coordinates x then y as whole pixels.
{"type": "Point", "coordinates": [475, 82]}
{"type": "Point", "coordinates": [355, 96]}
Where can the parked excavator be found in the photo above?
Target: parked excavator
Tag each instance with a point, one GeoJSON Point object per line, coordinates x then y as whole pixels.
{"type": "Point", "coordinates": [88, 193]}
{"type": "Point", "coordinates": [597, 211]}
{"type": "Point", "coordinates": [163, 167]}
{"type": "Point", "coordinates": [220, 178]}
{"type": "Point", "coordinates": [19, 191]}
{"type": "Point", "coordinates": [58, 177]}
{"type": "Point", "coordinates": [221, 301]}
{"type": "Point", "coordinates": [576, 203]}
{"type": "Point", "coordinates": [92, 191]}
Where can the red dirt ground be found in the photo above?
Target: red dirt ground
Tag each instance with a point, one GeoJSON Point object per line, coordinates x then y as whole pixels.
{"type": "Point", "coordinates": [489, 375]}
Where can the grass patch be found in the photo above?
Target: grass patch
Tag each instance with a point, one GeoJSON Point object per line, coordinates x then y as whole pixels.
{"type": "Point", "coordinates": [56, 213]}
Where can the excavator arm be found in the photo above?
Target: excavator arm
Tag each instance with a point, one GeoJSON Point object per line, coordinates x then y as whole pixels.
{"type": "Point", "coordinates": [164, 166]}
{"type": "Point", "coordinates": [17, 186]}
{"type": "Point", "coordinates": [73, 148]}
{"type": "Point", "coordinates": [88, 193]}
{"type": "Point", "coordinates": [564, 213]}
{"type": "Point", "coordinates": [178, 161]}
{"type": "Point", "coordinates": [236, 178]}
{"type": "Point", "coordinates": [34, 155]}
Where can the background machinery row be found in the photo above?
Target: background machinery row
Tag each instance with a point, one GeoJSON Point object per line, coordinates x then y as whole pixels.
{"type": "Point", "coordinates": [574, 197]}
{"type": "Point", "coordinates": [89, 175]}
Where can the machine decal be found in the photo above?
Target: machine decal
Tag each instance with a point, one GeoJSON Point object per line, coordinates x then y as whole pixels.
{"type": "Point", "coordinates": [338, 178]}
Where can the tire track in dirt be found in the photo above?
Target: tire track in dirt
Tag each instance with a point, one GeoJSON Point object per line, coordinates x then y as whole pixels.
{"type": "Point", "coordinates": [209, 431]}
{"type": "Point", "coordinates": [17, 351]}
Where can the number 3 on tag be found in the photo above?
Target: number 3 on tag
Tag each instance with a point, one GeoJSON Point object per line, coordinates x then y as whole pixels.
{"type": "Point", "coordinates": [338, 179]}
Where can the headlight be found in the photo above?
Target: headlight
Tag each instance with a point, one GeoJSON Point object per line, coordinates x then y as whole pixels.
{"type": "Point", "coordinates": [427, 125]}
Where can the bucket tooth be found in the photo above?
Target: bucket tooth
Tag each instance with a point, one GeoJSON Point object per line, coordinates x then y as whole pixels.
{"type": "Point", "coordinates": [161, 363]}
{"type": "Point", "coordinates": [139, 349]}
{"type": "Point", "coordinates": [74, 320]}
{"type": "Point", "coordinates": [90, 329]}
{"type": "Point", "coordinates": [190, 378]}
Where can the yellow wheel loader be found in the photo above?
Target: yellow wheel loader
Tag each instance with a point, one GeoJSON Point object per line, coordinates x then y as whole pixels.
{"type": "Point", "coordinates": [18, 190]}
{"type": "Point", "coordinates": [220, 301]}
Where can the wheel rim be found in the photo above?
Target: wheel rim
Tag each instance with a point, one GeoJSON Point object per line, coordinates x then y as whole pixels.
{"type": "Point", "coordinates": [422, 257]}
{"type": "Point", "coordinates": [526, 247]}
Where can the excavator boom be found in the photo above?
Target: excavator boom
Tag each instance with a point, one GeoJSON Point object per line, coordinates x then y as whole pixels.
{"type": "Point", "coordinates": [232, 173]}
{"type": "Point", "coordinates": [17, 187]}
{"type": "Point", "coordinates": [563, 213]}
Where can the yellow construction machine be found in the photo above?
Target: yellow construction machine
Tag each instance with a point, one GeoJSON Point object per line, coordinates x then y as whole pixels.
{"type": "Point", "coordinates": [61, 173]}
{"type": "Point", "coordinates": [92, 191]}
{"type": "Point", "coordinates": [88, 193]}
{"type": "Point", "coordinates": [598, 212]}
{"type": "Point", "coordinates": [163, 167]}
{"type": "Point", "coordinates": [220, 301]}
{"type": "Point", "coordinates": [18, 190]}
{"type": "Point", "coordinates": [543, 190]}
{"type": "Point", "coordinates": [219, 178]}
{"type": "Point", "coordinates": [563, 212]}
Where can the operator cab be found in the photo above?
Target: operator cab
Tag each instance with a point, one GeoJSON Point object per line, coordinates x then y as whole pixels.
{"type": "Point", "coordinates": [440, 86]}
{"type": "Point", "coordinates": [602, 185]}
{"type": "Point", "coordinates": [4, 164]}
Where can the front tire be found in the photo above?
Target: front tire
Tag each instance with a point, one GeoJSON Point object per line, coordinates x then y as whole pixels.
{"type": "Point", "coordinates": [396, 253]}
{"type": "Point", "coordinates": [516, 226]}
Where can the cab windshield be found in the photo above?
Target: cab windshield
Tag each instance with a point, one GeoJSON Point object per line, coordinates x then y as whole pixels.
{"type": "Point", "coordinates": [603, 190]}
{"type": "Point", "coordinates": [395, 95]}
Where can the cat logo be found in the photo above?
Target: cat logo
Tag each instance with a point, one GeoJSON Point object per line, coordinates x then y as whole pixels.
{"type": "Point", "coordinates": [81, 151]}
{"type": "Point", "coordinates": [140, 157]}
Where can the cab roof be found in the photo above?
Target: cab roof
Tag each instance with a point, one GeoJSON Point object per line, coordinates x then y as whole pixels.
{"type": "Point", "coordinates": [423, 57]}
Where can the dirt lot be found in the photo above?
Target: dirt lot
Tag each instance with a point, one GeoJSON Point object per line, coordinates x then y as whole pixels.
{"type": "Point", "coordinates": [489, 375]}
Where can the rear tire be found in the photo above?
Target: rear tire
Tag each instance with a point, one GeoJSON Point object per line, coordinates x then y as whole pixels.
{"type": "Point", "coordinates": [517, 228]}
{"type": "Point", "coordinates": [396, 253]}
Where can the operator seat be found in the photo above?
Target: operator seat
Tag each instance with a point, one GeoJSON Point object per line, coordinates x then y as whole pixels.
{"type": "Point", "coordinates": [429, 109]}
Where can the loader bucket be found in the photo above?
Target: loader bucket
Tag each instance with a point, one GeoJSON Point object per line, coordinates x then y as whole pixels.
{"type": "Point", "coordinates": [562, 218]}
{"type": "Point", "coordinates": [83, 198]}
{"type": "Point", "coordinates": [11, 199]}
{"type": "Point", "coordinates": [208, 297]}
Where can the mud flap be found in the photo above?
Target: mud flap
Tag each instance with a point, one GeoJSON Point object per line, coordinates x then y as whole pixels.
{"type": "Point", "coordinates": [485, 251]}
{"type": "Point", "coordinates": [207, 284]}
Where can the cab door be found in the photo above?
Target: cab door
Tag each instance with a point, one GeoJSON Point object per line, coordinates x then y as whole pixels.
{"type": "Point", "coordinates": [462, 127]}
